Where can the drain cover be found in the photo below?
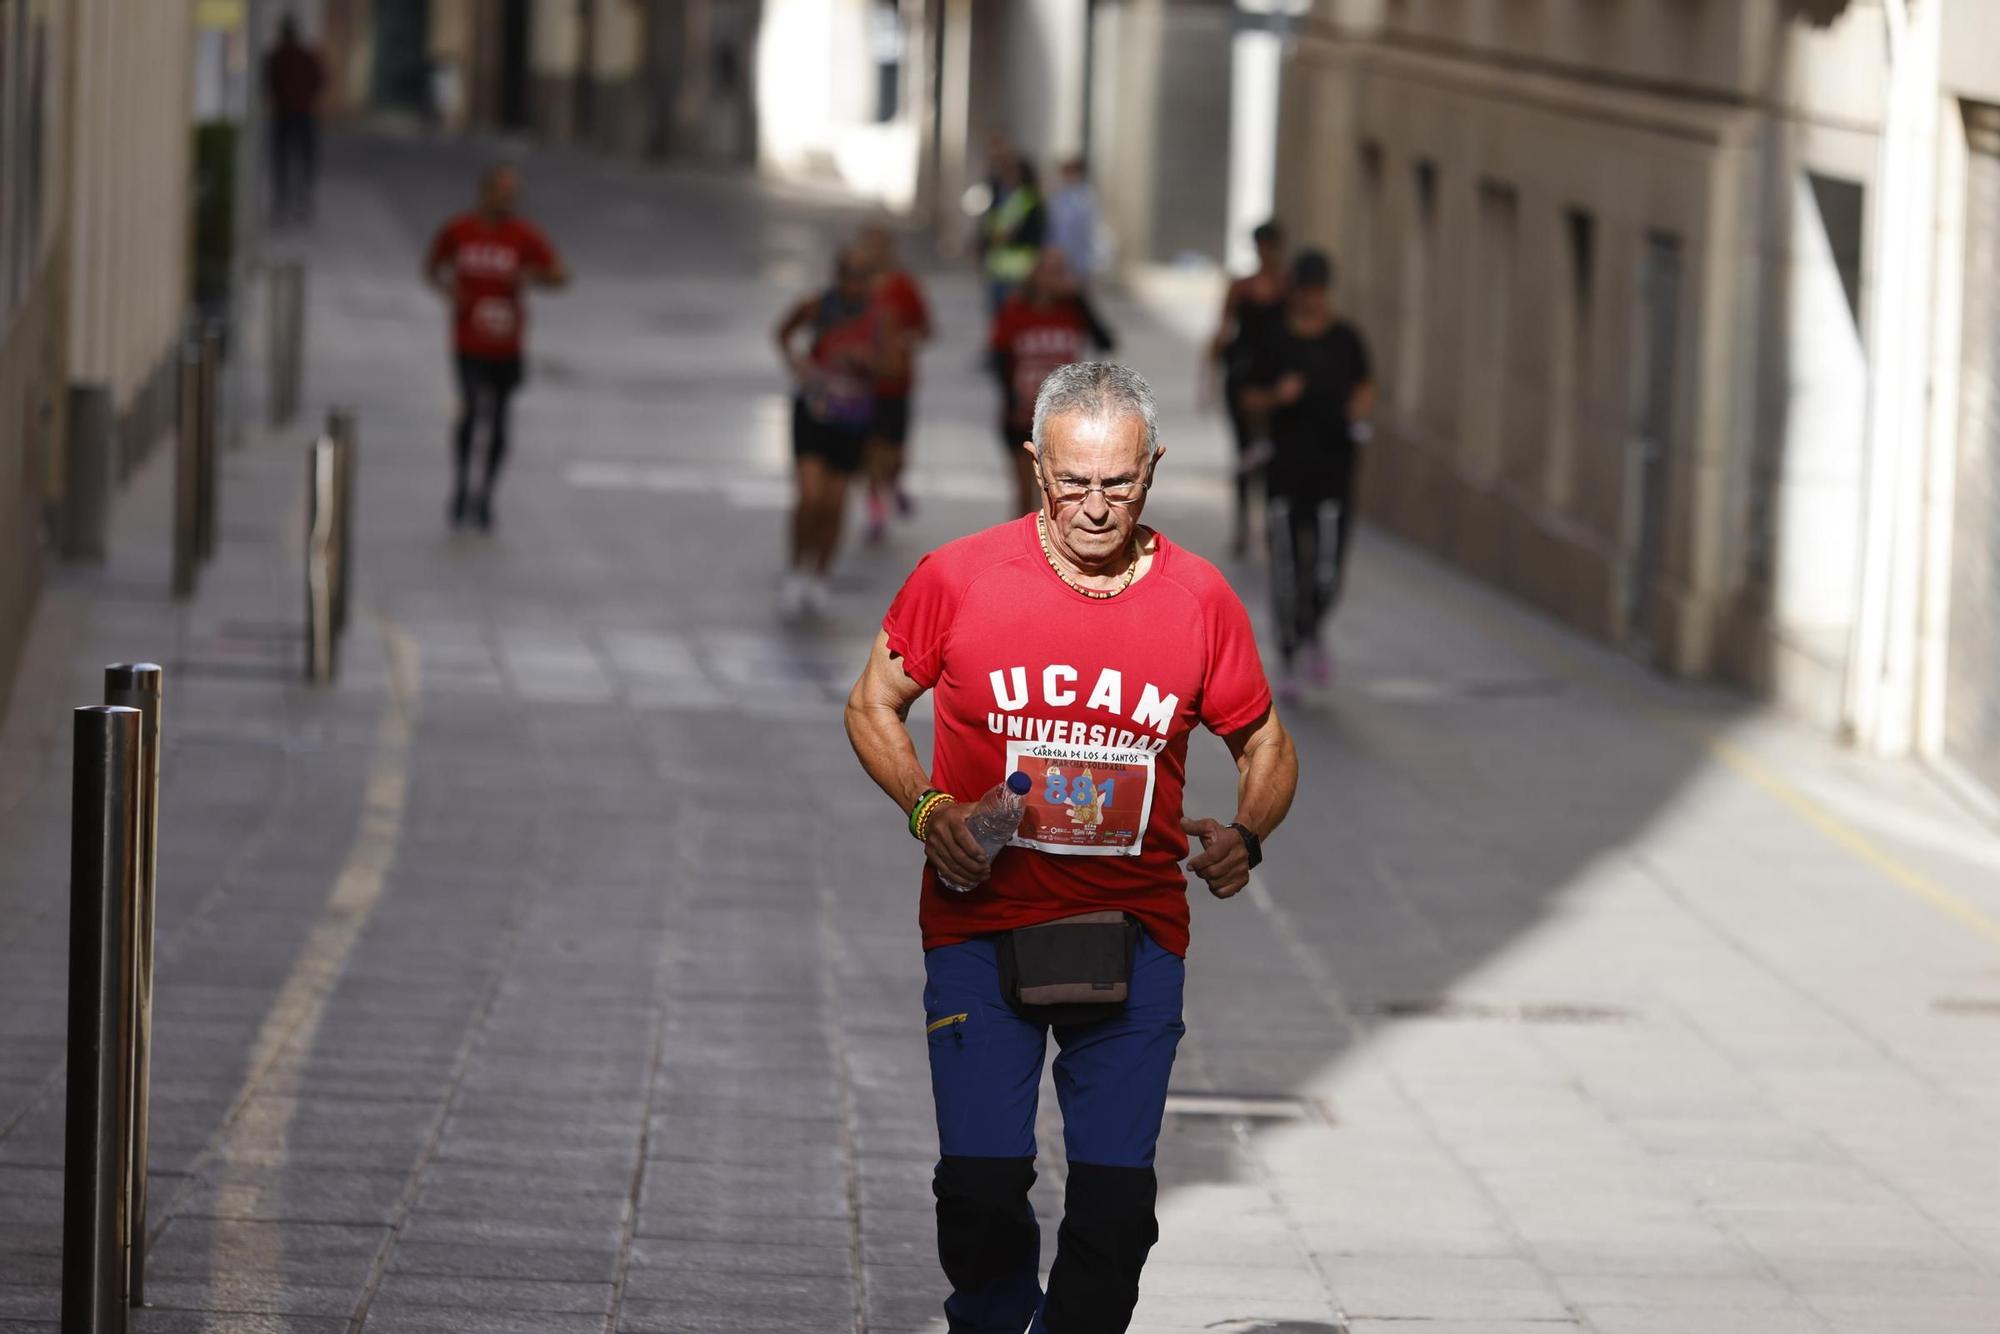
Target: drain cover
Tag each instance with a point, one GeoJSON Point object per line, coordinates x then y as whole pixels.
{"type": "Point", "coordinates": [1547, 1012]}
{"type": "Point", "coordinates": [1967, 1005]}
{"type": "Point", "coordinates": [1247, 1107]}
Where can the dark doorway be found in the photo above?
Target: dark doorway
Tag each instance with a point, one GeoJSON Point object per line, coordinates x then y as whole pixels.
{"type": "Point", "coordinates": [1651, 448]}
{"type": "Point", "coordinates": [402, 61]}
{"type": "Point", "coordinates": [513, 107]}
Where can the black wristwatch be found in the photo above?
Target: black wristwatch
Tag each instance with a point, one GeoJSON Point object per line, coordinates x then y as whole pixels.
{"type": "Point", "coordinates": [1251, 844]}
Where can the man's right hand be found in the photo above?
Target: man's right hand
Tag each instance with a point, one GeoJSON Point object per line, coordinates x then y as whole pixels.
{"type": "Point", "coordinates": [952, 849]}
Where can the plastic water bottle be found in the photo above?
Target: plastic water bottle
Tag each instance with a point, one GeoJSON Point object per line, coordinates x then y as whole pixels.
{"type": "Point", "coordinates": [994, 819]}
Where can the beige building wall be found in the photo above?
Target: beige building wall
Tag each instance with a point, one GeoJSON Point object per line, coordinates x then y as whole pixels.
{"type": "Point", "coordinates": [556, 48]}
{"type": "Point", "coordinates": [94, 250]}
{"type": "Point", "coordinates": [33, 163]}
{"type": "Point", "coordinates": [1608, 255]}
{"type": "Point", "coordinates": [131, 205]}
{"type": "Point", "coordinates": [616, 105]}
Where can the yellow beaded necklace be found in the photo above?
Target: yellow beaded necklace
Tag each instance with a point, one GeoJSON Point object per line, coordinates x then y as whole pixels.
{"type": "Point", "coordinates": [1100, 594]}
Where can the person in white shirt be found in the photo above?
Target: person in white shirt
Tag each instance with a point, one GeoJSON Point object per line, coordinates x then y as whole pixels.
{"type": "Point", "coordinates": [1073, 222]}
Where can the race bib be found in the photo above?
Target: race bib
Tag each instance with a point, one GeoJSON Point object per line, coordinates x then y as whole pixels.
{"type": "Point", "coordinates": [840, 400]}
{"type": "Point", "coordinates": [495, 317]}
{"type": "Point", "coordinates": [1086, 801]}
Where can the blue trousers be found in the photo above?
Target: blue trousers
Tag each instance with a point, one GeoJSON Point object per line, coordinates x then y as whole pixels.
{"type": "Point", "coordinates": [1111, 1082]}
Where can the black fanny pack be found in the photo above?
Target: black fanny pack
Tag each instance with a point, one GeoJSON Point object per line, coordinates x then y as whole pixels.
{"type": "Point", "coordinates": [1070, 971]}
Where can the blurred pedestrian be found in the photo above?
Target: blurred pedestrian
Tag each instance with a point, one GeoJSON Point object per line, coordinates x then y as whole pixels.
{"type": "Point", "coordinates": [293, 80]}
{"type": "Point", "coordinates": [1073, 222]}
{"type": "Point", "coordinates": [1319, 395]}
{"type": "Point", "coordinates": [483, 262]}
{"type": "Point", "coordinates": [1253, 312]}
{"type": "Point", "coordinates": [1081, 648]}
{"type": "Point", "coordinates": [1047, 323]}
{"type": "Point", "coordinates": [833, 409]}
{"type": "Point", "coordinates": [1013, 228]}
{"type": "Point", "coordinates": [906, 327]}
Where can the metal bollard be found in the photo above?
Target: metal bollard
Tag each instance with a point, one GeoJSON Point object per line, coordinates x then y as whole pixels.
{"type": "Point", "coordinates": [90, 477]}
{"type": "Point", "coordinates": [208, 457]}
{"type": "Point", "coordinates": [340, 429]}
{"type": "Point", "coordinates": [322, 518]}
{"type": "Point", "coordinates": [187, 472]}
{"type": "Point", "coordinates": [138, 685]}
{"type": "Point", "coordinates": [286, 312]}
{"type": "Point", "coordinates": [103, 863]}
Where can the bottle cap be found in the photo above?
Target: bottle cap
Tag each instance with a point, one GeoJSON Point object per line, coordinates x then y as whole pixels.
{"type": "Point", "coordinates": [1018, 783]}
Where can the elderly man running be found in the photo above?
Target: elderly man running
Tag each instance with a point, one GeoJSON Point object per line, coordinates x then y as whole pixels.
{"type": "Point", "coordinates": [1080, 648]}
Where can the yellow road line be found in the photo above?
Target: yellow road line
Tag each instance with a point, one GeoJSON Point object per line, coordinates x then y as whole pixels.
{"type": "Point", "coordinates": [300, 1006]}
{"type": "Point", "coordinates": [1857, 844]}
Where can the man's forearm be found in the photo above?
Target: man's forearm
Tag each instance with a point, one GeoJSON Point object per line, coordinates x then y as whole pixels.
{"type": "Point", "coordinates": [1264, 789]}
{"type": "Point", "coordinates": [885, 750]}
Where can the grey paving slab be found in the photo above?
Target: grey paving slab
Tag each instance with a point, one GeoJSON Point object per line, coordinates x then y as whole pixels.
{"type": "Point", "coordinates": [483, 1292]}
{"type": "Point", "coordinates": [233, 1322]}
{"type": "Point", "coordinates": [477, 1320]}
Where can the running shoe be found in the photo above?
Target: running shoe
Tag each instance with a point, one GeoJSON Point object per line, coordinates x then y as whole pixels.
{"type": "Point", "coordinates": [482, 512]}
{"type": "Point", "coordinates": [792, 595]}
{"type": "Point", "coordinates": [1287, 684]}
{"type": "Point", "coordinates": [878, 517]}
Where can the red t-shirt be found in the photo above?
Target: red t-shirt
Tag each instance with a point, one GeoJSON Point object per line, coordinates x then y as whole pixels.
{"type": "Point", "coordinates": [1036, 339]}
{"type": "Point", "coordinates": [1094, 699]}
{"type": "Point", "coordinates": [901, 303]}
{"type": "Point", "coordinates": [841, 391]}
{"type": "Point", "coordinates": [490, 262]}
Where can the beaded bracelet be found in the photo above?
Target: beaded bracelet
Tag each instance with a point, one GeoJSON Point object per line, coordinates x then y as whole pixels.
{"type": "Point", "coordinates": [927, 806]}
{"type": "Point", "coordinates": [938, 803]}
{"type": "Point", "coordinates": [916, 811]}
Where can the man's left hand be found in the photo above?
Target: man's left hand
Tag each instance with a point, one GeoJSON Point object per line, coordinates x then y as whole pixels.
{"type": "Point", "coordinates": [1223, 862]}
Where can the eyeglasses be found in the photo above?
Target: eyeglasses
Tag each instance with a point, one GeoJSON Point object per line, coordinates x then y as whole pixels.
{"type": "Point", "coordinates": [1072, 492]}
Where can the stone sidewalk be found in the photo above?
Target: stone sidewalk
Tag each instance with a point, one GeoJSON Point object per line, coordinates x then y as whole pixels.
{"type": "Point", "coordinates": [557, 971]}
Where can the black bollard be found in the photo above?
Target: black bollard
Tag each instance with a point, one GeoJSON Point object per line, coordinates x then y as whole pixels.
{"type": "Point", "coordinates": [340, 429]}
{"type": "Point", "coordinates": [322, 555]}
{"type": "Point", "coordinates": [187, 471]}
{"type": "Point", "coordinates": [104, 830]}
{"type": "Point", "coordinates": [139, 685]}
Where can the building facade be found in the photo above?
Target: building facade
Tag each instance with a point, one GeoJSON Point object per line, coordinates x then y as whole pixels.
{"type": "Point", "coordinates": [95, 201]}
{"type": "Point", "coordinates": [1666, 301]}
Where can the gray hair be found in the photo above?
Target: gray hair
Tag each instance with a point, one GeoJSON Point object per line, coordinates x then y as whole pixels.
{"type": "Point", "coordinates": [1099, 389]}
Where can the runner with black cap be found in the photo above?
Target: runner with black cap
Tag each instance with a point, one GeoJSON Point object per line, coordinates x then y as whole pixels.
{"type": "Point", "coordinates": [1318, 395]}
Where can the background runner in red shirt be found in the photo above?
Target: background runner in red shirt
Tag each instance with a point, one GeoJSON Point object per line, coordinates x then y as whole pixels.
{"type": "Point", "coordinates": [293, 79]}
{"type": "Point", "coordinates": [1044, 324]}
{"type": "Point", "coordinates": [906, 327]}
{"type": "Point", "coordinates": [482, 261]}
{"type": "Point", "coordinates": [833, 405]}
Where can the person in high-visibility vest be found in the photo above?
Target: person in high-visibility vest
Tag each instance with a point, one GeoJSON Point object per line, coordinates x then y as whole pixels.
{"type": "Point", "coordinates": [1012, 230]}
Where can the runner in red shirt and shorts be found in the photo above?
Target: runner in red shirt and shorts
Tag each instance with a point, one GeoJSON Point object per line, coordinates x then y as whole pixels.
{"type": "Point", "coordinates": [906, 327]}
{"type": "Point", "coordinates": [1045, 323]}
{"type": "Point", "coordinates": [833, 407]}
{"type": "Point", "coordinates": [1081, 649]}
{"type": "Point", "coordinates": [482, 261]}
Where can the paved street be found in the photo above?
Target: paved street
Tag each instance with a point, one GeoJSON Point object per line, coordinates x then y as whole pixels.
{"type": "Point", "coordinates": [558, 970]}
